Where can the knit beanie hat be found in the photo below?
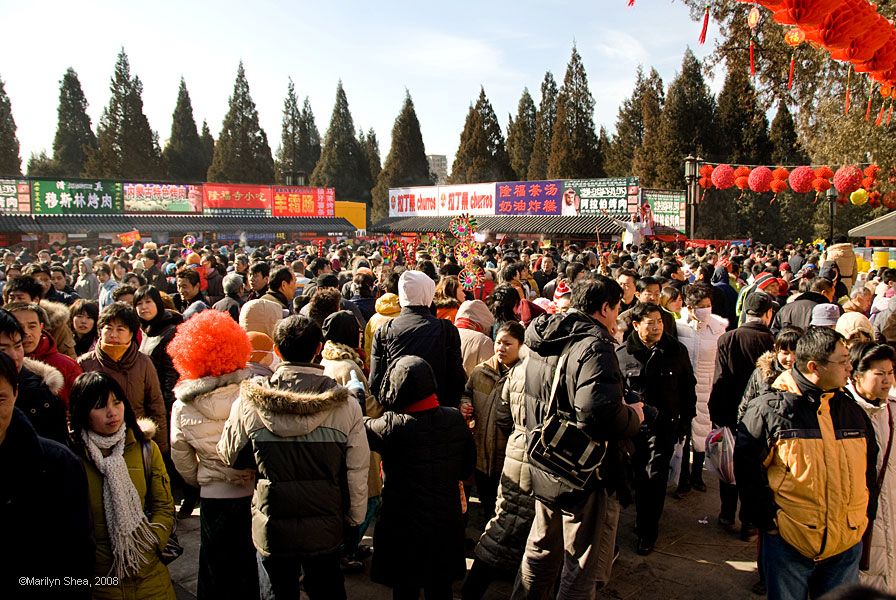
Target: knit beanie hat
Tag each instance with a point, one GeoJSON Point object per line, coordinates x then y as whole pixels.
{"type": "Point", "coordinates": [853, 322]}
{"type": "Point", "coordinates": [341, 327]}
{"type": "Point", "coordinates": [262, 348]}
{"type": "Point", "coordinates": [561, 290]}
{"type": "Point", "coordinates": [410, 380]}
{"type": "Point", "coordinates": [415, 288]}
{"type": "Point", "coordinates": [260, 315]}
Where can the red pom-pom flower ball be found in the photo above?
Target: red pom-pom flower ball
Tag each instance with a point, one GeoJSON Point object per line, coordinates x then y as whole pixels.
{"type": "Point", "coordinates": [760, 180]}
{"type": "Point", "coordinates": [723, 177]}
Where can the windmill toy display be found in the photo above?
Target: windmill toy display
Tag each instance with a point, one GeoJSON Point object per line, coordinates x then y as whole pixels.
{"type": "Point", "coordinates": [463, 227]}
{"type": "Point", "coordinates": [189, 241]}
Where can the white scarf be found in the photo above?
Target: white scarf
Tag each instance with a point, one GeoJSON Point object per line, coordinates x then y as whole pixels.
{"type": "Point", "coordinates": [129, 530]}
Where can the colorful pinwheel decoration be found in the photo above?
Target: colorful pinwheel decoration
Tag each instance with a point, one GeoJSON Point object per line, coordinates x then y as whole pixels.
{"type": "Point", "coordinates": [189, 241]}
{"type": "Point", "coordinates": [463, 226]}
{"type": "Point", "coordinates": [465, 252]}
{"type": "Point", "coordinates": [471, 277]}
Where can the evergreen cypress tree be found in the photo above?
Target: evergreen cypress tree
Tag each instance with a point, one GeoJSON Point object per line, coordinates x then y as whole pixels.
{"type": "Point", "coordinates": [41, 165]}
{"type": "Point", "coordinates": [786, 147]}
{"type": "Point", "coordinates": [242, 153]}
{"type": "Point", "coordinates": [544, 127]}
{"type": "Point", "coordinates": [371, 148]}
{"type": "Point", "coordinates": [74, 135]}
{"type": "Point", "coordinates": [647, 158]}
{"type": "Point", "coordinates": [184, 155]}
{"type": "Point", "coordinates": [10, 163]}
{"type": "Point", "coordinates": [686, 124]}
{"type": "Point", "coordinates": [742, 128]}
{"type": "Point", "coordinates": [286, 163]}
{"type": "Point", "coordinates": [406, 164]}
{"type": "Point", "coordinates": [309, 141]}
{"type": "Point", "coordinates": [208, 147]}
{"type": "Point", "coordinates": [482, 155]}
{"type": "Point", "coordinates": [574, 144]}
{"type": "Point", "coordinates": [521, 135]}
{"type": "Point", "coordinates": [342, 164]}
{"type": "Point", "coordinates": [647, 97]}
{"type": "Point", "coordinates": [126, 145]}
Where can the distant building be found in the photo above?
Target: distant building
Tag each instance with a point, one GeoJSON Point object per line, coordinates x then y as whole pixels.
{"type": "Point", "coordinates": [438, 164]}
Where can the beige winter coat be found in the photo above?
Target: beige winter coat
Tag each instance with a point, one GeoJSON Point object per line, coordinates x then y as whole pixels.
{"type": "Point", "coordinates": [882, 572]}
{"type": "Point", "coordinates": [845, 257]}
{"type": "Point", "coordinates": [197, 420]}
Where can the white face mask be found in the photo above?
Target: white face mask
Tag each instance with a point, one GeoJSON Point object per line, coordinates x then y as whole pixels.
{"type": "Point", "coordinates": [702, 314]}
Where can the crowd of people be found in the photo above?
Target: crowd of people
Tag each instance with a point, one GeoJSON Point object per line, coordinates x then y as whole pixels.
{"type": "Point", "coordinates": [298, 395]}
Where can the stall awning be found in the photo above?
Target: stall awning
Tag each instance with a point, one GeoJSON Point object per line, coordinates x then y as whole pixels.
{"type": "Point", "coordinates": [881, 227]}
{"type": "Point", "coordinates": [581, 225]}
{"type": "Point", "coordinates": [173, 224]}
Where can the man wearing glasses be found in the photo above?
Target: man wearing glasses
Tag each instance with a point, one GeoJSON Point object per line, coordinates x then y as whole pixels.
{"type": "Point", "coordinates": [657, 371]}
{"type": "Point", "coordinates": [805, 467]}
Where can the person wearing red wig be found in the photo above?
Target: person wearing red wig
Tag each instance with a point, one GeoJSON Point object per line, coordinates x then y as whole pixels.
{"type": "Point", "coordinates": [210, 352]}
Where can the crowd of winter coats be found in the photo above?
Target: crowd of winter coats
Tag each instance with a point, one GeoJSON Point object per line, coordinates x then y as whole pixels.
{"type": "Point", "coordinates": [299, 395]}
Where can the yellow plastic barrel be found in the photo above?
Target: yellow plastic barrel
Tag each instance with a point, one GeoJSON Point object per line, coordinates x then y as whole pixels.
{"type": "Point", "coordinates": [881, 258]}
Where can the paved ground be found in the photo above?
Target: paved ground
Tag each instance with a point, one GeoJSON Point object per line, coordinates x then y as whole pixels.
{"type": "Point", "coordinates": [694, 559]}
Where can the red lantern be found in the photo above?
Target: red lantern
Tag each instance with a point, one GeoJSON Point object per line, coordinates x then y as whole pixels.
{"type": "Point", "coordinates": [801, 179]}
{"type": "Point", "coordinates": [804, 12]}
{"type": "Point", "coordinates": [824, 172]}
{"type": "Point", "coordinates": [742, 177]}
{"type": "Point", "coordinates": [760, 180]}
{"type": "Point", "coordinates": [706, 183]}
{"type": "Point", "coordinates": [848, 179]}
{"type": "Point", "coordinates": [889, 200]}
{"type": "Point", "coordinates": [723, 177]}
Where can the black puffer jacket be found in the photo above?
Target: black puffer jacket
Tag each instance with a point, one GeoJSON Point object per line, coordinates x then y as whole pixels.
{"type": "Point", "coordinates": [797, 312]}
{"type": "Point", "coordinates": [593, 385]}
{"type": "Point", "coordinates": [156, 337]}
{"type": "Point", "coordinates": [39, 386]}
{"type": "Point", "coordinates": [419, 537]}
{"type": "Point", "coordinates": [663, 376]}
{"type": "Point", "coordinates": [43, 497]}
{"type": "Point", "coordinates": [416, 332]}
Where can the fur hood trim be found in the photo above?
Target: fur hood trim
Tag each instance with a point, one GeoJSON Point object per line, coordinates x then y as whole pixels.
{"type": "Point", "coordinates": [57, 314]}
{"type": "Point", "coordinates": [189, 389]}
{"type": "Point", "coordinates": [148, 427]}
{"type": "Point", "coordinates": [336, 351]}
{"type": "Point", "coordinates": [275, 400]}
{"type": "Point", "coordinates": [768, 366]}
{"type": "Point", "coordinates": [51, 376]}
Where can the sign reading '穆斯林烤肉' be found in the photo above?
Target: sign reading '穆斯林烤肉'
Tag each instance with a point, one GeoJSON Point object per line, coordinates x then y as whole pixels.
{"type": "Point", "coordinates": [76, 197]}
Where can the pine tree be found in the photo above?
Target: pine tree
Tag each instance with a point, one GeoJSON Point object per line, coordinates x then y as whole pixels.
{"type": "Point", "coordinates": [41, 165]}
{"type": "Point", "coordinates": [242, 153]}
{"type": "Point", "coordinates": [521, 135]}
{"type": "Point", "coordinates": [647, 158]}
{"type": "Point", "coordinates": [686, 124]}
{"type": "Point", "coordinates": [574, 145]}
{"type": "Point", "coordinates": [482, 155]}
{"type": "Point", "coordinates": [786, 147]}
{"type": "Point", "coordinates": [74, 135]}
{"type": "Point", "coordinates": [286, 164]}
{"type": "Point", "coordinates": [308, 153]}
{"type": "Point", "coordinates": [342, 163]}
{"type": "Point", "coordinates": [371, 147]}
{"type": "Point", "coordinates": [127, 148]}
{"type": "Point", "coordinates": [208, 147]}
{"type": "Point", "coordinates": [742, 127]}
{"type": "Point", "coordinates": [184, 155]}
{"type": "Point", "coordinates": [10, 163]}
{"type": "Point", "coordinates": [603, 146]}
{"type": "Point", "coordinates": [544, 127]}
{"type": "Point", "coordinates": [647, 97]}
{"type": "Point", "coordinates": [406, 164]}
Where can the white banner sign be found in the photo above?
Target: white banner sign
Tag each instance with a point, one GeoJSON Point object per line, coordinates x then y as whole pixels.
{"type": "Point", "coordinates": [473, 199]}
{"type": "Point", "coordinates": [414, 202]}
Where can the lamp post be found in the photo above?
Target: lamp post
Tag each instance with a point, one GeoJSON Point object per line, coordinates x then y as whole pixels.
{"type": "Point", "coordinates": [690, 177]}
{"type": "Point", "coordinates": [832, 212]}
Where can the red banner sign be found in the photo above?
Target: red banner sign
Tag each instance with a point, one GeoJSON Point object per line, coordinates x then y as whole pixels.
{"type": "Point", "coordinates": [293, 201]}
{"type": "Point", "coordinates": [236, 199]}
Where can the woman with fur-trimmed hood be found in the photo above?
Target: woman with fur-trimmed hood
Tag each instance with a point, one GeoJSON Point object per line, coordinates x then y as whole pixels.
{"type": "Point", "coordinates": [210, 352]}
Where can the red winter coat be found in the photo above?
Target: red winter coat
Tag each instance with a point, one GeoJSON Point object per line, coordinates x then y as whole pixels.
{"type": "Point", "coordinates": [46, 352]}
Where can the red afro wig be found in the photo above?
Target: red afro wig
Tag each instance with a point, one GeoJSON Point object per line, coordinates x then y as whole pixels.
{"type": "Point", "coordinates": [209, 344]}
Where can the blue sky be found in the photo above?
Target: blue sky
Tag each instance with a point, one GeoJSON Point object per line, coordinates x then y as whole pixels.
{"type": "Point", "coordinates": [440, 52]}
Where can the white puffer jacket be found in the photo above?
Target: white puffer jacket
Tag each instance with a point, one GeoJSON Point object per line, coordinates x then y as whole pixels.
{"type": "Point", "coordinates": [197, 420]}
{"type": "Point", "coordinates": [881, 574]}
{"type": "Point", "coordinates": [702, 342]}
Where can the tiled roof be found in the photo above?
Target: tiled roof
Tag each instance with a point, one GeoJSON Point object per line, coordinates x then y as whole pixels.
{"type": "Point", "coordinates": [551, 225]}
{"type": "Point", "coordinates": [881, 227]}
{"type": "Point", "coordinates": [172, 224]}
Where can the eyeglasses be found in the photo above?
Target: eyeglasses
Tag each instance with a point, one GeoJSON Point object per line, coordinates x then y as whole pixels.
{"type": "Point", "coordinates": [839, 363]}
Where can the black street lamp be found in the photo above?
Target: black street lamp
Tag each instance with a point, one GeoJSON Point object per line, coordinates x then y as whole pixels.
{"type": "Point", "coordinates": [832, 212]}
{"type": "Point", "coordinates": [691, 169]}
